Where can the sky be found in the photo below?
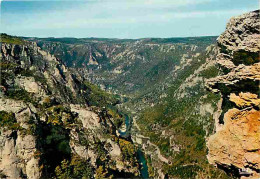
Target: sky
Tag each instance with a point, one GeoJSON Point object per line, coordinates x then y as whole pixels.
{"type": "Point", "coordinates": [129, 19]}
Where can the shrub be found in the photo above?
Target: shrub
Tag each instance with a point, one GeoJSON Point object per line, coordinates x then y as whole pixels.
{"type": "Point", "coordinates": [7, 65]}
{"type": "Point", "coordinates": [128, 150]}
{"type": "Point", "coordinates": [101, 173]}
{"type": "Point", "coordinates": [59, 115]}
{"type": "Point", "coordinates": [20, 94]}
{"type": "Point", "coordinates": [75, 168]}
{"type": "Point", "coordinates": [8, 121]}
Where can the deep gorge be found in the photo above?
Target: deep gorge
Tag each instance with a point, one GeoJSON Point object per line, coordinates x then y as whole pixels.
{"type": "Point", "coordinates": [131, 108]}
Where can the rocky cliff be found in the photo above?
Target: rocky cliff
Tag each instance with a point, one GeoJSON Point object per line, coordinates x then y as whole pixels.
{"type": "Point", "coordinates": [141, 69]}
{"type": "Point", "coordinates": [54, 123]}
{"type": "Point", "coordinates": [145, 71]}
{"type": "Point", "coordinates": [235, 147]}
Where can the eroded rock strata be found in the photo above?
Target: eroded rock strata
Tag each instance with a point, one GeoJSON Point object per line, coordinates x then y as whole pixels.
{"type": "Point", "coordinates": [56, 124]}
{"type": "Point", "coordinates": [235, 147]}
{"type": "Point", "coordinates": [50, 127]}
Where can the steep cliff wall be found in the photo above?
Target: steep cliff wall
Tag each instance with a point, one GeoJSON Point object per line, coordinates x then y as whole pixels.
{"type": "Point", "coordinates": [235, 147]}
{"type": "Point", "coordinates": [141, 69]}
{"type": "Point", "coordinates": [49, 125]}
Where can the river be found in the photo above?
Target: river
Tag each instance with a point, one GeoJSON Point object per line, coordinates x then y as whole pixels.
{"type": "Point", "coordinates": [143, 163]}
{"type": "Point", "coordinates": [125, 133]}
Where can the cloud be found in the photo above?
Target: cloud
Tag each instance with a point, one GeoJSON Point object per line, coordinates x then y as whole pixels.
{"type": "Point", "coordinates": [108, 17]}
{"type": "Point", "coordinates": [140, 5]}
{"type": "Point", "coordinates": [82, 18]}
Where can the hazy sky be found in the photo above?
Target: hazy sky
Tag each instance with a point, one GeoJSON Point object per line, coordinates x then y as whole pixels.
{"type": "Point", "coordinates": [120, 18]}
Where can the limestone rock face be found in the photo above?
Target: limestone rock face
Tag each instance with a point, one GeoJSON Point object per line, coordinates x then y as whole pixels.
{"type": "Point", "coordinates": [239, 44]}
{"type": "Point", "coordinates": [46, 119]}
{"type": "Point", "coordinates": [245, 100]}
{"type": "Point", "coordinates": [242, 33]}
{"type": "Point", "coordinates": [88, 118]}
{"type": "Point", "coordinates": [236, 144]}
{"type": "Point", "coordinates": [17, 149]}
{"type": "Point", "coordinates": [240, 77]}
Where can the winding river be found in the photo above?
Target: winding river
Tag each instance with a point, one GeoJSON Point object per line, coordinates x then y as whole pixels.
{"type": "Point", "coordinates": [125, 133]}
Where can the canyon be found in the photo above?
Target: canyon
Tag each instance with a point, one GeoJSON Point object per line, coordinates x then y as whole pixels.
{"type": "Point", "coordinates": [132, 108]}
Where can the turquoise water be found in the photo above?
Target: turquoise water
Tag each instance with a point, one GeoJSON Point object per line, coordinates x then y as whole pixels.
{"type": "Point", "coordinates": [128, 127]}
{"type": "Point", "coordinates": [140, 155]}
{"type": "Point", "coordinates": [143, 163]}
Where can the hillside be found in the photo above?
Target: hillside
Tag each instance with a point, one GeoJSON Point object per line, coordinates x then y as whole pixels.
{"type": "Point", "coordinates": [54, 123]}
{"type": "Point", "coordinates": [132, 108]}
{"type": "Point", "coordinates": [140, 70]}
{"type": "Point", "coordinates": [162, 84]}
{"type": "Point", "coordinates": [235, 146]}
{"type": "Point", "coordinates": [181, 125]}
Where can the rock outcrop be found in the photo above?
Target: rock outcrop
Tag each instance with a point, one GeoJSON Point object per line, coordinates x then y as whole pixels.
{"type": "Point", "coordinates": [47, 119]}
{"type": "Point", "coordinates": [235, 147]}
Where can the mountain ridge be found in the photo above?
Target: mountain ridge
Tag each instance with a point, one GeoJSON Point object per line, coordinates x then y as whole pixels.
{"type": "Point", "coordinates": [158, 108]}
{"type": "Point", "coordinates": [53, 124]}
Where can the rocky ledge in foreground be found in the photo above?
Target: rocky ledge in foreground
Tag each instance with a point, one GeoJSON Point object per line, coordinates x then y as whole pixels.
{"type": "Point", "coordinates": [235, 147]}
